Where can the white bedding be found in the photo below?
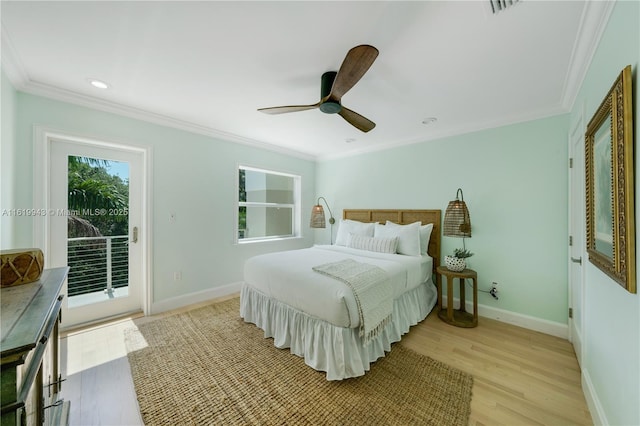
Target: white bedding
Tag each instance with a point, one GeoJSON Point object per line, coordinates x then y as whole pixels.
{"type": "Point", "coordinates": [289, 278]}
{"type": "Point", "coordinates": [286, 299]}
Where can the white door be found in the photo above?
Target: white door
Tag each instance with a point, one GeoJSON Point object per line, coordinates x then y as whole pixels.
{"type": "Point", "coordinates": [96, 200]}
{"type": "Point", "coordinates": [577, 212]}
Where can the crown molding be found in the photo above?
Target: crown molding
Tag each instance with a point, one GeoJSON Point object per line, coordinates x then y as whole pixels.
{"type": "Point", "coordinates": [51, 92]}
{"type": "Point", "coordinates": [593, 23]}
{"type": "Point", "coordinates": [592, 26]}
{"type": "Point", "coordinates": [11, 64]}
{"type": "Point", "coordinates": [21, 81]}
{"type": "Point", "coordinates": [454, 131]}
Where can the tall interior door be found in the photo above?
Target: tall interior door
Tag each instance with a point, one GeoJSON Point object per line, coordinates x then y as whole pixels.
{"type": "Point", "coordinates": [95, 196]}
{"type": "Point", "coordinates": [577, 213]}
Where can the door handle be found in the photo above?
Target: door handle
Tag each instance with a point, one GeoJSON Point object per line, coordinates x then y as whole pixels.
{"type": "Point", "coordinates": [135, 235]}
{"type": "Point", "coordinates": [578, 260]}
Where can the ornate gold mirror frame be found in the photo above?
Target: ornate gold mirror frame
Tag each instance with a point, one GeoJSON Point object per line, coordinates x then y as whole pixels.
{"type": "Point", "coordinates": [610, 185]}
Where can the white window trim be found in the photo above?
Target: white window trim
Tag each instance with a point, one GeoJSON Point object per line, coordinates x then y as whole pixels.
{"type": "Point", "coordinates": [296, 206]}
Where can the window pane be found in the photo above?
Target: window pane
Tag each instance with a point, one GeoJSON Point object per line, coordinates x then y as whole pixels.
{"type": "Point", "coordinates": [242, 222]}
{"type": "Point", "coordinates": [242, 196]}
{"type": "Point", "coordinates": [268, 204]}
{"type": "Point", "coordinates": [264, 187]}
{"type": "Point", "coordinates": [263, 222]}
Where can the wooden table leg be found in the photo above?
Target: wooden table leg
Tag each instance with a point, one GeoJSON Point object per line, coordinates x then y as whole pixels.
{"type": "Point", "coordinates": [463, 303]}
{"type": "Point", "coordinates": [450, 298]}
{"type": "Point", "coordinates": [439, 286]}
{"type": "Point", "coordinates": [475, 301]}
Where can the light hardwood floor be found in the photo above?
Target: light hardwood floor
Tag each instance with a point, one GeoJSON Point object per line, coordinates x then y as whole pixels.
{"type": "Point", "coordinates": [521, 377]}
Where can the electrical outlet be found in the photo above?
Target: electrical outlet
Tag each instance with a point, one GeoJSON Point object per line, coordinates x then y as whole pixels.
{"type": "Point", "coordinates": [494, 290]}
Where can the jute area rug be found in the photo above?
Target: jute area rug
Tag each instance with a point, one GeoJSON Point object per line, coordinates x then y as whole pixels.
{"type": "Point", "coordinates": [207, 366]}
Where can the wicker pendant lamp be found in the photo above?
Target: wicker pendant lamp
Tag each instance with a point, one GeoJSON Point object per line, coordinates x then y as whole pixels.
{"type": "Point", "coordinates": [317, 217]}
{"type": "Point", "coordinates": [457, 222]}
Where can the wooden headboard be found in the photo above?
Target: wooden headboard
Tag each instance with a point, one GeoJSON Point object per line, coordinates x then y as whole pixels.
{"type": "Point", "coordinates": [404, 217]}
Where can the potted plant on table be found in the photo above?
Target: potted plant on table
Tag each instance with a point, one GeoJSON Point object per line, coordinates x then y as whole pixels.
{"type": "Point", "coordinates": [457, 262]}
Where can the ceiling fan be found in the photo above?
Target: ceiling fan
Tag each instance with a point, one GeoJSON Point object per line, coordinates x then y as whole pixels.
{"type": "Point", "coordinates": [335, 84]}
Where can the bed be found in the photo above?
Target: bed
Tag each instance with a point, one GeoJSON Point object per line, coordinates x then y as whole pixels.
{"type": "Point", "coordinates": [317, 316]}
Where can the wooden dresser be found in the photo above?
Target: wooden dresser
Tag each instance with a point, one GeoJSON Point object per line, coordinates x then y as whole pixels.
{"type": "Point", "coordinates": [31, 379]}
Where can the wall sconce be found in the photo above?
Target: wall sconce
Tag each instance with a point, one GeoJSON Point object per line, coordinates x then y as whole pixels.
{"type": "Point", "coordinates": [318, 219]}
{"type": "Point", "coordinates": [457, 222]}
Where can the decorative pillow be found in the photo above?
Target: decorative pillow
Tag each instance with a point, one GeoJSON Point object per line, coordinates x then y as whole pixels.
{"type": "Point", "coordinates": [380, 245]}
{"type": "Point", "coordinates": [425, 234]}
{"type": "Point", "coordinates": [348, 226]}
{"type": "Point", "coordinates": [408, 237]}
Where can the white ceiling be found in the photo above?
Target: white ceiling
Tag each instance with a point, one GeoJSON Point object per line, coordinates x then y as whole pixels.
{"type": "Point", "coordinates": [208, 66]}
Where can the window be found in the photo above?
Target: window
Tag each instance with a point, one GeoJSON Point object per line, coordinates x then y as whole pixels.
{"type": "Point", "coordinates": [268, 205]}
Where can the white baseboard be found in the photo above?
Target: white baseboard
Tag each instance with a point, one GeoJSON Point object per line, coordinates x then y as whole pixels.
{"type": "Point", "coordinates": [595, 408]}
{"type": "Point", "coordinates": [575, 337]}
{"type": "Point", "coordinates": [532, 323]}
{"type": "Point", "coordinates": [197, 297]}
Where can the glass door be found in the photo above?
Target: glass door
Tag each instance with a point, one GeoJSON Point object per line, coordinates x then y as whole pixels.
{"type": "Point", "coordinates": [95, 194]}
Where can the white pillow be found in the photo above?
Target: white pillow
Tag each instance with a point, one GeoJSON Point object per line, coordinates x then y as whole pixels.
{"type": "Point", "coordinates": [348, 226]}
{"type": "Point", "coordinates": [425, 235]}
{"type": "Point", "coordinates": [380, 245]}
{"type": "Point", "coordinates": [408, 237]}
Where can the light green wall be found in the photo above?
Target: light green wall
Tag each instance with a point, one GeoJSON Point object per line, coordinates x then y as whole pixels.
{"type": "Point", "coordinates": [611, 328]}
{"type": "Point", "coordinates": [7, 178]}
{"type": "Point", "coordinates": [193, 176]}
{"type": "Point", "coordinates": [514, 181]}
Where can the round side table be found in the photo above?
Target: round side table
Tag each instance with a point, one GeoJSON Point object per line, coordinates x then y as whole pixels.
{"type": "Point", "coordinates": [458, 317]}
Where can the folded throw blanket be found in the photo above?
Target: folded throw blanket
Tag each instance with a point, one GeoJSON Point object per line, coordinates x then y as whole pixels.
{"type": "Point", "coordinates": [372, 290]}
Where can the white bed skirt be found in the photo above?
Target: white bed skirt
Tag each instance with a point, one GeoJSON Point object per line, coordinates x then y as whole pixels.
{"type": "Point", "coordinates": [325, 347]}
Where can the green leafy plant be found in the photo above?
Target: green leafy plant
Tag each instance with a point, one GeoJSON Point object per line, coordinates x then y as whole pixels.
{"type": "Point", "coordinates": [462, 253]}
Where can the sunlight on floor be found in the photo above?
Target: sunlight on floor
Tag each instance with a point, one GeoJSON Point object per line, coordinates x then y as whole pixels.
{"type": "Point", "coordinates": [98, 377]}
{"type": "Point", "coordinates": [94, 346]}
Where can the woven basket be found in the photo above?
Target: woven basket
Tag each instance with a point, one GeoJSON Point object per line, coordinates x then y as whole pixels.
{"type": "Point", "coordinates": [20, 266]}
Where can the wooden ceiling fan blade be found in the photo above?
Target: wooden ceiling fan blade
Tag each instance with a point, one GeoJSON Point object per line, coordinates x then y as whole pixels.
{"type": "Point", "coordinates": [357, 62]}
{"type": "Point", "coordinates": [290, 108]}
{"type": "Point", "coordinates": [356, 120]}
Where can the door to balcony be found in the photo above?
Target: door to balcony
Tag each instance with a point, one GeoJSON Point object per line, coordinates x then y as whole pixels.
{"type": "Point", "coordinates": [96, 228]}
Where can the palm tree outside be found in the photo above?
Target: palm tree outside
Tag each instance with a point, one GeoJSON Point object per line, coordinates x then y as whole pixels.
{"type": "Point", "coordinates": [98, 223]}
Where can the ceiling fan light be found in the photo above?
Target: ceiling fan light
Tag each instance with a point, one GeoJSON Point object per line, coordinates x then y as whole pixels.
{"type": "Point", "coordinates": [330, 107]}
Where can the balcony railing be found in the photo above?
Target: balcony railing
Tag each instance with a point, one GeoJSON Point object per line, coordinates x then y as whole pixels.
{"type": "Point", "coordinates": [97, 264]}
